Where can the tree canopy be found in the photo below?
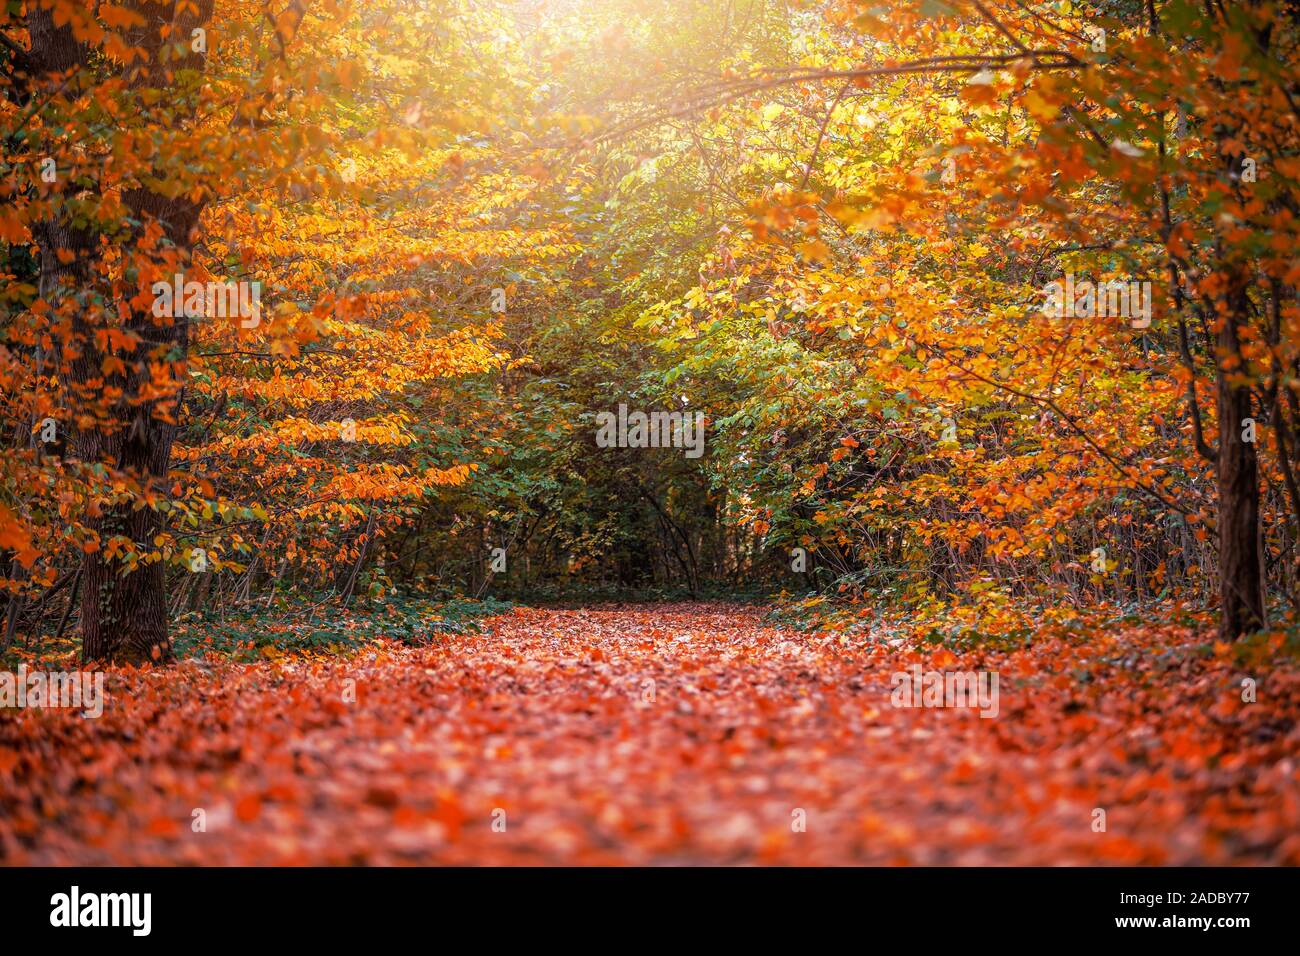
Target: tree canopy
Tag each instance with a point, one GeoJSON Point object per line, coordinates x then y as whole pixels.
{"type": "Point", "coordinates": [983, 305]}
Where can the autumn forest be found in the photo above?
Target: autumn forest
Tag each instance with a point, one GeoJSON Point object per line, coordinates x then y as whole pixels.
{"type": "Point", "coordinates": [650, 432]}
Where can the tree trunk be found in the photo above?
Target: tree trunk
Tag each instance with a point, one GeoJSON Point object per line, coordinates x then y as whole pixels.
{"type": "Point", "coordinates": [123, 615]}
{"type": "Point", "coordinates": [1241, 583]}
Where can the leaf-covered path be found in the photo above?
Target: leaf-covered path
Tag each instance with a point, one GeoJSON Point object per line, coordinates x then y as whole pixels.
{"type": "Point", "coordinates": [663, 734]}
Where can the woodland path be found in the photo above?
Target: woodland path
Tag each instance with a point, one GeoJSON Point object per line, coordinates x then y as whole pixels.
{"type": "Point", "coordinates": [689, 733]}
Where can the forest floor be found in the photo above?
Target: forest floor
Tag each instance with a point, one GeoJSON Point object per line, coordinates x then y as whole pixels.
{"type": "Point", "coordinates": [668, 734]}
